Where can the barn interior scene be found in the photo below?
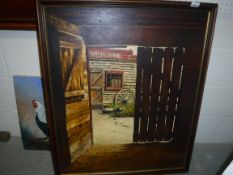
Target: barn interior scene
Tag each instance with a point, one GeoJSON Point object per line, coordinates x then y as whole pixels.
{"type": "Point", "coordinates": [123, 92]}
{"type": "Point", "coordinates": [100, 95]}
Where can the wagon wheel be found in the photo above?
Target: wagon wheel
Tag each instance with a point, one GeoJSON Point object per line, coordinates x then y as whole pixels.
{"type": "Point", "coordinates": [124, 97]}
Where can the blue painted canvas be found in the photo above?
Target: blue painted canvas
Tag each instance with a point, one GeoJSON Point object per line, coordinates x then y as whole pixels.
{"type": "Point", "coordinates": [31, 112]}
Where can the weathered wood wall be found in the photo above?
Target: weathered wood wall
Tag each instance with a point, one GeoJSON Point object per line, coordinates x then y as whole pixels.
{"type": "Point", "coordinates": [129, 75]}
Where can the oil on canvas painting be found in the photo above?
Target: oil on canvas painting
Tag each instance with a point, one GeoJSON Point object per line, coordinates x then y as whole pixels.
{"type": "Point", "coordinates": [101, 84]}
{"type": "Point", "coordinates": [31, 112]}
{"type": "Point", "coordinates": [121, 85]}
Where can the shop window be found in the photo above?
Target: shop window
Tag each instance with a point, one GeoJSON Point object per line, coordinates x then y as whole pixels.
{"type": "Point", "coordinates": [113, 80]}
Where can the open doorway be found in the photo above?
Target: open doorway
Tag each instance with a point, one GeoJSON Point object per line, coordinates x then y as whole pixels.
{"type": "Point", "coordinates": [119, 96]}
{"type": "Point", "coordinates": [121, 105]}
{"type": "Point", "coordinates": [113, 85]}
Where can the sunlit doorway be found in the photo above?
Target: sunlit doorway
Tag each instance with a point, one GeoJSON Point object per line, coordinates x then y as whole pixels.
{"type": "Point", "coordinates": [113, 84]}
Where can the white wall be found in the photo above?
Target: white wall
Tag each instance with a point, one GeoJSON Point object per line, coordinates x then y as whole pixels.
{"type": "Point", "coordinates": [216, 119]}
{"type": "Point", "coordinates": [19, 56]}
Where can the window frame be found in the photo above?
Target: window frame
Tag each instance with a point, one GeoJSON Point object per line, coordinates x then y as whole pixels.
{"type": "Point", "coordinates": [107, 72]}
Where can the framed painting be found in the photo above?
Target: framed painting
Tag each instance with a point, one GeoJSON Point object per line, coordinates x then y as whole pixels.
{"type": "Point", "coordinates": [123, 83]}
{"type": "Point", "coordinates": [31, 112]}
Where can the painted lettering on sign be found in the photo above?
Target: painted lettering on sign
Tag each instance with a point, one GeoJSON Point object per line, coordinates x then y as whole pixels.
{"type": "Point", "coordinates": [116, 54]}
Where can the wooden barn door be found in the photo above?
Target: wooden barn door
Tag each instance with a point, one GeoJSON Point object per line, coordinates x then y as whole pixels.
{"type": "Point", "coordinates": [73, 63]}
{"type": "Point", "coordinates": [159, 82]}
{"type": "Point", "coordinates": [96, 80]}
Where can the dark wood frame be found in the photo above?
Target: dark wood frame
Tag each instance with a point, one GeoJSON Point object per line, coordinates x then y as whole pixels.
{"type": "Point", "coordinates": [59, 151]}
{"type": "Point", "coordinates": [20, 15]}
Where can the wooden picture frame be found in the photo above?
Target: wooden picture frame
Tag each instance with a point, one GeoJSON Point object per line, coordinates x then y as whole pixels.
{"type": "Point", "coordinates": [173, 41]}
{"type": "Point", "coordinates": [18, 15]}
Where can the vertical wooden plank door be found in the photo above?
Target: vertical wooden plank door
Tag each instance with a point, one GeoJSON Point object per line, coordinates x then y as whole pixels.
{"type": "Point", "coordinates": [159, 81]}
{"type": "Point", "coordinates": [96, 81]}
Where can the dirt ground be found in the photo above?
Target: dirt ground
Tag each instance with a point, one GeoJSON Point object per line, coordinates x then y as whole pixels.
{"type": "Point", "coordinates": [110, 130]}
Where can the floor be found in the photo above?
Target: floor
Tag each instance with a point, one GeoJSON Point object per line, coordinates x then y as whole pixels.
{"type": "Point", "coordinates": [208, 159]}
{"type": "Point", "coordinates": [106, 127]}
{"type": "Point", "coordinates": [128, 157]}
